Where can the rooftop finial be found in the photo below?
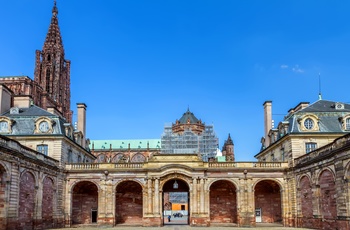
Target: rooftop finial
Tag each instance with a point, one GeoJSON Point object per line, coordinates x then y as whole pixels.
{"type": "Point", "coordinates": [319, 87]}
{"type": "Point", "coordinates": [54, 9]}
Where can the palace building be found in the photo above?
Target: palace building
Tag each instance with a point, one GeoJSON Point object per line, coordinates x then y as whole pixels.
{"type": "Point", "coordinates": [52, 175]}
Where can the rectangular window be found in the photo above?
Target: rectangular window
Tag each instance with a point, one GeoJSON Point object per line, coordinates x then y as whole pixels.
{"type": "Point", "coordinates": [310, 146]}
{"type": "Point", "coordinates": [42, 149]}
{"type": "Point", "coordinates": [282, 154]}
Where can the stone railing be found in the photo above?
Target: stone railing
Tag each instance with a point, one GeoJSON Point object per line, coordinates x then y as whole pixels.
{"type": "Point", "coordinates": [129, 165]}
{"type": "Point", "coordinates": [82, 166]}
{"type": "Point", "coordinates": [248, 164]}
{"type": "Point", "coordinates": [23, 151]}
{"type": "Point", "coordinates": [93, 166]}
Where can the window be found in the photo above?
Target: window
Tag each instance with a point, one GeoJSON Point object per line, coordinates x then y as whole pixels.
{"type": "Point", "coordinates": [311, 146]}
{"type": "Point", "coordinates": [282, 154]}
{"type": "Point", "coordinates": [309, 123]}
{"type": "Point", "coordinates": [272, 157]}
{"type": "Point", "coordinates": [4, 127]}
{"type": "Point", "coordinates": [347, 124]}
{"type": "Point", "coordinates": [42, 149]}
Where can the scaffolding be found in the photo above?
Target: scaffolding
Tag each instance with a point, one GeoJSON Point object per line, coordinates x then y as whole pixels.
{"type": "Point", "coordinates": [188, 142]}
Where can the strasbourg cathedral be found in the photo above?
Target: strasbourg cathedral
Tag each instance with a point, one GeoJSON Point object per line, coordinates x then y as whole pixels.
{"type": "Point", "coordinates": [52, 175]}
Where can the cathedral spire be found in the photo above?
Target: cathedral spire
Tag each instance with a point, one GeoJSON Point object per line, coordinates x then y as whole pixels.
{"type": "Point", "coordinates": [53, 37]}
{"type": "Point", "coordinates": [52, 71]}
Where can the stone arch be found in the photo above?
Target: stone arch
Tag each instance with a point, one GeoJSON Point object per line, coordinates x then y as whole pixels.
{"type": "Point", "coordinates": [34, 174]}
{"type": "Point", "coordinates": [3, 195]}
{"type": "Point", "coordinates": [223, 202]}
{"type": "Point", "coordinates": [217, 179]}
{"type": "Point", "coordinates": [48, 202]}
{"type": "Point", "coordinates": [84, 202]}
{"type": "Point", "coordinates": [101, 158]}
{"type": "Point", "coordinates": [138, 157]}
{"type": "Point", "coordinates": [117, 157]}
{"type": "Point", "coordinates": [172, 175]}
{"type": "Point", "coordinates": [268, 198]}
{"type": "Point", "coordinates": [27, 195]}
{"type": "Point", "coordinates": [305, 196]}
{"type": "Point", "coordinates": [129, 202]}
{"type": "Point", "coordinates": [327, 193]}
{"type": "Point", "coordinates": [320, 173]}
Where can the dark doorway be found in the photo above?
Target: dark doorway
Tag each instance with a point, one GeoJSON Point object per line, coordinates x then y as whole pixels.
{"type": "Point", "coordinates": [176, 203]}
{"type": "Point", "coordinates": [93, 215]}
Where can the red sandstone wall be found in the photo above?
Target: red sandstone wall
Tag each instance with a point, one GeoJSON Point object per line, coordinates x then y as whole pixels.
{"type": "Point", "coordinates": [223, 203]}
{"type": "Point", "coordinates": [47, 205]}
{"type": "Point", "coordinates": [2, 200]}
{"type": "Point", "coordinates": [26, 201]}
{"type": "Point", "coordinates": [306, 198]}
{"type": "Point", "coordinates": [129, 203]}
{"type": "Point", "coordinates": [328, 201]}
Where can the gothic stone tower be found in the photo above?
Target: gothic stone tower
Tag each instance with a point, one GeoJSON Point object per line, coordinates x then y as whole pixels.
{"type": "Point", "coordinates": [52, 71]}
{"type": "Point", "coordinates": [227, 149]}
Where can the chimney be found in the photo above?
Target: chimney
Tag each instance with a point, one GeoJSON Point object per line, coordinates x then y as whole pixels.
{"type": "Point", "coordinates": [81, 107]}
{"type": "Point", "coordinates": [267, 120]}
{"type": "Point", "coordinates": [5, 99]}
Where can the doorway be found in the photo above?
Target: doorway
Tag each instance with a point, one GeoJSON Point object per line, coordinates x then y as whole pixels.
{"type": "Point", "coordinates": [175, 203]}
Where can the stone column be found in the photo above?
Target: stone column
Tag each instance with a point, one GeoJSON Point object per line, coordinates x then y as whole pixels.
{"type": "Point", "coordinates": [149, 192]}
{"type": "Point", "coordinates": [201, 187]}
{"type": "Point", "coordinates": [194, 196]}
{"type": "Point", "coordinates": [156, 196]}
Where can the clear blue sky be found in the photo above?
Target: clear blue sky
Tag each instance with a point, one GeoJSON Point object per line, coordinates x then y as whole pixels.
{"type": "Point", "coordinates": [139, 64]}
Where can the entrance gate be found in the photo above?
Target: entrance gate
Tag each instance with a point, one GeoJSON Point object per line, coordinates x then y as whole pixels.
{"type": "Point", "coordinates": [175, 203]}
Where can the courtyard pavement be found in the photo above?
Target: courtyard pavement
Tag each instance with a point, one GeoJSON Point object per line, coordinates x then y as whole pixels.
{"type": "Point", "coordinates": [184, 227]}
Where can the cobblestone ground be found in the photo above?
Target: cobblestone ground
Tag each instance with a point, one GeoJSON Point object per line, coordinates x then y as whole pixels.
{"type": "Point", "coordinates": [181, 227]}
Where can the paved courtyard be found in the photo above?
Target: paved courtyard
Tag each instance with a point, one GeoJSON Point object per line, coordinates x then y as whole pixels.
{"type": "Point", "coordinates": [184, 227]}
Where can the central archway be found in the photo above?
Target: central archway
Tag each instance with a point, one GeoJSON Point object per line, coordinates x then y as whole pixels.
{"type": "Point", "coordinates": [176, 202]}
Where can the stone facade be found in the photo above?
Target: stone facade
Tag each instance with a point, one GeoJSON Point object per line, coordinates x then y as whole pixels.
{"type": "Point", "coordinates": [31, 191]}
{"type": "Point", "coordinates": [60, 185]}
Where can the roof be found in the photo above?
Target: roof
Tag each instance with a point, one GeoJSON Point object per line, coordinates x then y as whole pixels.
{"type": "Point", "coordinates": [124, 144]}
{"type": "Point", "coordinates": [327, 112]}
{"type": "Point", "coordinates": [188, 116]}
{"type": "Point", "coordinates": [326, 106]}
{"type": "Point", "coordinates": [24, 120]}
{"type": "Point", "coordinates": [30, 111]}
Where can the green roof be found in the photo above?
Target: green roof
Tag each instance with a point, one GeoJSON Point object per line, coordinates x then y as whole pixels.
{"type": "Point", "coordinates": [124, 144]}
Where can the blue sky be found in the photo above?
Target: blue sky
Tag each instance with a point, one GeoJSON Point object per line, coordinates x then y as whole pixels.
{"type": "Point", "coordinates": [140, 64]}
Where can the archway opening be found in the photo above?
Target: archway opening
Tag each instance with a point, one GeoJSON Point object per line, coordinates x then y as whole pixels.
{"type": "Point", "coordinates": [2, 197]}
{"type": "Point", "coordinates": [223, 202]}
{"type": "Point", "coordinates": [26, 201]}
{"type": "Point", "coordinates": [268, 207]}
{"type": "Point", "coordinates": [328, 202]}
{"type": "Point", "coordinates": [85, 203]}
{"type": "Point", "coordinates": [47, 203]}
{"type": "Point", "coordinates": [129, 200]}
{"type": "Point", "coordinates": [175, 202]}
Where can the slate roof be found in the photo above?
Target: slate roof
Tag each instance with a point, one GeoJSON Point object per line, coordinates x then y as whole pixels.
{"type": "Point", "coordinates": [327, 114]}
{"type": "Point", "coordinates": [24, 121]}
{"type": "Point", "coordinates": [325, 106]}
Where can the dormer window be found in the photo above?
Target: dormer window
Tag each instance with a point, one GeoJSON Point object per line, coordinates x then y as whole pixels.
{"type": "Point", "coordinates": [345, 122]}
{"type": "Point", "coordinates": [5, 125]}
{"type": "Point", "coordinates": [43, 125]}
{"type": "Point", "coordinates": [308, 123]}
